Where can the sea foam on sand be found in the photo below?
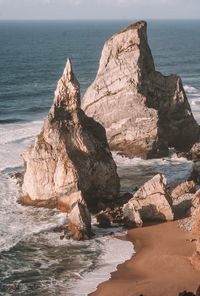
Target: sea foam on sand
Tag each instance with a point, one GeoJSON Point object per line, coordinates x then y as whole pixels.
{"type": "Point", "coordinates": [114, 252]}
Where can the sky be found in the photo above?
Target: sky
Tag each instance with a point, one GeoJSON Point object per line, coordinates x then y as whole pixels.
{"type": "Point", "coordinates": [99, 9]}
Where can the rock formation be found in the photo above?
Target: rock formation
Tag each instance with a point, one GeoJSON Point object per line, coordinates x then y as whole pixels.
{"type": "Point", "coordinates": [70, 154]}
{"type": "Point", "coordinates": [183, 188]}
{"type": "Point", "coordinates": [79, 219]}
{"type": "Point", "coordinates": [150, 203]}
{"type": "Point", "coordinates": [182, 198]}
{"type": "Point", "coordinates": [144, 112]}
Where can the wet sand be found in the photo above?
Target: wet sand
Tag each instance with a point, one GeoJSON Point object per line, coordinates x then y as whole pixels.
{"type": "Point", "coordinates": [160, 267]}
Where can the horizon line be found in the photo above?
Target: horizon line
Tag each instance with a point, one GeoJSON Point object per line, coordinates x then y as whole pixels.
{"type": "Point", "coordinates": [107, 19]}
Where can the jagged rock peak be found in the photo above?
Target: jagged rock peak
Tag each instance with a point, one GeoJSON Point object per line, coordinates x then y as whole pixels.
{"type": "Point", "coordinates": [67, 94]}
{"type": "Point", "coordinates": [70, 154]}
{"type": "Point", "coordinates": [138, 25]}
{"type": "Point", "coordinates": [131, 39]}
{"type": "Point", "coordinates": [143, 111]}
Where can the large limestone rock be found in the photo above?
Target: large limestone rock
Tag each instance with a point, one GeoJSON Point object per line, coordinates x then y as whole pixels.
{"type": "Point", "coordinates": [150, 203]}
{"type": "Point", "coordinates": [143, 111]}
{"type": "Point", "coordinates": [70, 154]}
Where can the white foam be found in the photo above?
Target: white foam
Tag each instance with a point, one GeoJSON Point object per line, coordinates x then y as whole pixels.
{"type": "Point", "coordinates": [19, 222]}
{"type": "Point", "coordinates": [125, 161]}
{"type": "Point", "coordinates": [19, 132]}
{"type": "Point", "coordinates": [14, 138]}
{"type": "Point", "coordinates": [190, 89]}
{"type": "Point", "coordinates": [176, 169]}
{"type": "Point", "coordinates": [114, 252]}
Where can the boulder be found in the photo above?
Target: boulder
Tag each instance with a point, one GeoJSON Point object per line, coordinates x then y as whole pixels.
{"type": "Point", "coordinates": [79, 220]}
{"type": "Point", "coordinates": [195, 203]}
{"type": "Point", "coordinates": [70, 154]}
{"type": "Point", "coordinates": [194, 152]}
{"type": "Point", "coordinates": [181, 189]}
{"type": "Point", "coordinates": [182, 198]}
{"type": "Point", "coordinates": [182, 205]}
{"type": "Point", "coordinates": [131, 213]}
{"type": "Point", "coordinates": [143, 111]}
{"type": "Point", "coordinates": [152, 201]}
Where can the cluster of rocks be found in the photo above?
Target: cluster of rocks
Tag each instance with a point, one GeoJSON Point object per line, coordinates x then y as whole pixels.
{"type": "Point", "coordinates": [153, 202]}
{"type": "Point", "coordinates": [141, 113]}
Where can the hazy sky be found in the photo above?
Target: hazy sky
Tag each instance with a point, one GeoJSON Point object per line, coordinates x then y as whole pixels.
{"type": "Point", "coordinates": [99, 9]}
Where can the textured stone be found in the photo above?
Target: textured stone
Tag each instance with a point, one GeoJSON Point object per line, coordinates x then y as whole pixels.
{"type": "Point", "coordinates": [70, 154]}
{"type": "Point", "coordinates": [143, 111]}
{"type": "Point", "coordinates": [195, 203]}
{"type": "Point", "coordinates": [194, 152]}
{"type": "Point", "coordinates": [181, 189]}
{"type": "Point", "coordinates": [79, 220]}
{"type": "Point", "coordinates": [131, 214]}
{"type": "Point", "coordinates": [152, 201]}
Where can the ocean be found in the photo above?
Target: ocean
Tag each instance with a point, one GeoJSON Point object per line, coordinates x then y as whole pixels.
{"type": "Point", "coordinates": [33, 258]}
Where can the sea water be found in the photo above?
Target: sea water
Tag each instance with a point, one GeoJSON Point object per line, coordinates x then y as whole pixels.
{"type": "Point", "coordinates": [33, 258]}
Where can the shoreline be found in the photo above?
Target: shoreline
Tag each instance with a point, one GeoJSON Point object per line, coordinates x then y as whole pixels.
{"type": "Point", "coordinates": [159, 267]}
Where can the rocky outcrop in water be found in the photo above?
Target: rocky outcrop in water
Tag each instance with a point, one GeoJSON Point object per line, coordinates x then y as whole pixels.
{"type": "Point", "coordinates": [70, 154]}
{"type": "Point", "coordinates": [143, 111]}
{"type": "Point", "coordinates": [79, 220]}
{"type": "Point", "coordinates": [150, 203]}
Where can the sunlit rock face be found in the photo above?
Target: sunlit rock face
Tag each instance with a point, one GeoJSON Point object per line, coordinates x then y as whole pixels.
{"type": "Point", "coordinates": [143, 111]}
{"type": "Point", "coordinates": [151, 202]}
{"type": "Point", "coordinates": [70, 154]}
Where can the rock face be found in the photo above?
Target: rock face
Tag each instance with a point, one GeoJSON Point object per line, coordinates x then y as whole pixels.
{"type": "Point", "coordinates": [195, 175]}
{"type": "Point", "coordinates": [183, 188]}
{"type": "Point", "coordinates": [70, 154]}
{"type": "Point", "coordinates": [182, 198]}
{"type": "Point", "coordinates": [143, 111]}
{"type": "Point", "coordinates": [150, 203]}
{"type": "Point", "coordinates": [79, 220]}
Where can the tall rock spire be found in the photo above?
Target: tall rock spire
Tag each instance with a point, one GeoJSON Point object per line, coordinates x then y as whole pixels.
{"type": "Point", "coordinates": [67, 94]}
{"type": "Point", "coordinates": [70, 154]}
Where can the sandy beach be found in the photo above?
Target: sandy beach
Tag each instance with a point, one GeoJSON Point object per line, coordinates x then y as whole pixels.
{"type": "Point", "coordinates": [160, 266]}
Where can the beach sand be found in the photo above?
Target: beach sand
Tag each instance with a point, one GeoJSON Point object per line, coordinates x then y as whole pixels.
{"type": "Point", "coordinates": [160, 267]}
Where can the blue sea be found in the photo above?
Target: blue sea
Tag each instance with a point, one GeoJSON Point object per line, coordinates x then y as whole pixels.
{"type": "Point", "coordinates": [33, 259]}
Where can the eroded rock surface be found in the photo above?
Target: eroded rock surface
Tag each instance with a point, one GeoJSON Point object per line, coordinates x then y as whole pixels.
{"type": "Point", "coordinates": [150, 203]}
{"type": "Point", "coordinates": [183, 188]}
{"type": "Point", "coordinates": [70, 154]}
{"type": "Point", "coordinates": [79, 220]}
{"type": "Point", "coordinates": [143, 111]}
